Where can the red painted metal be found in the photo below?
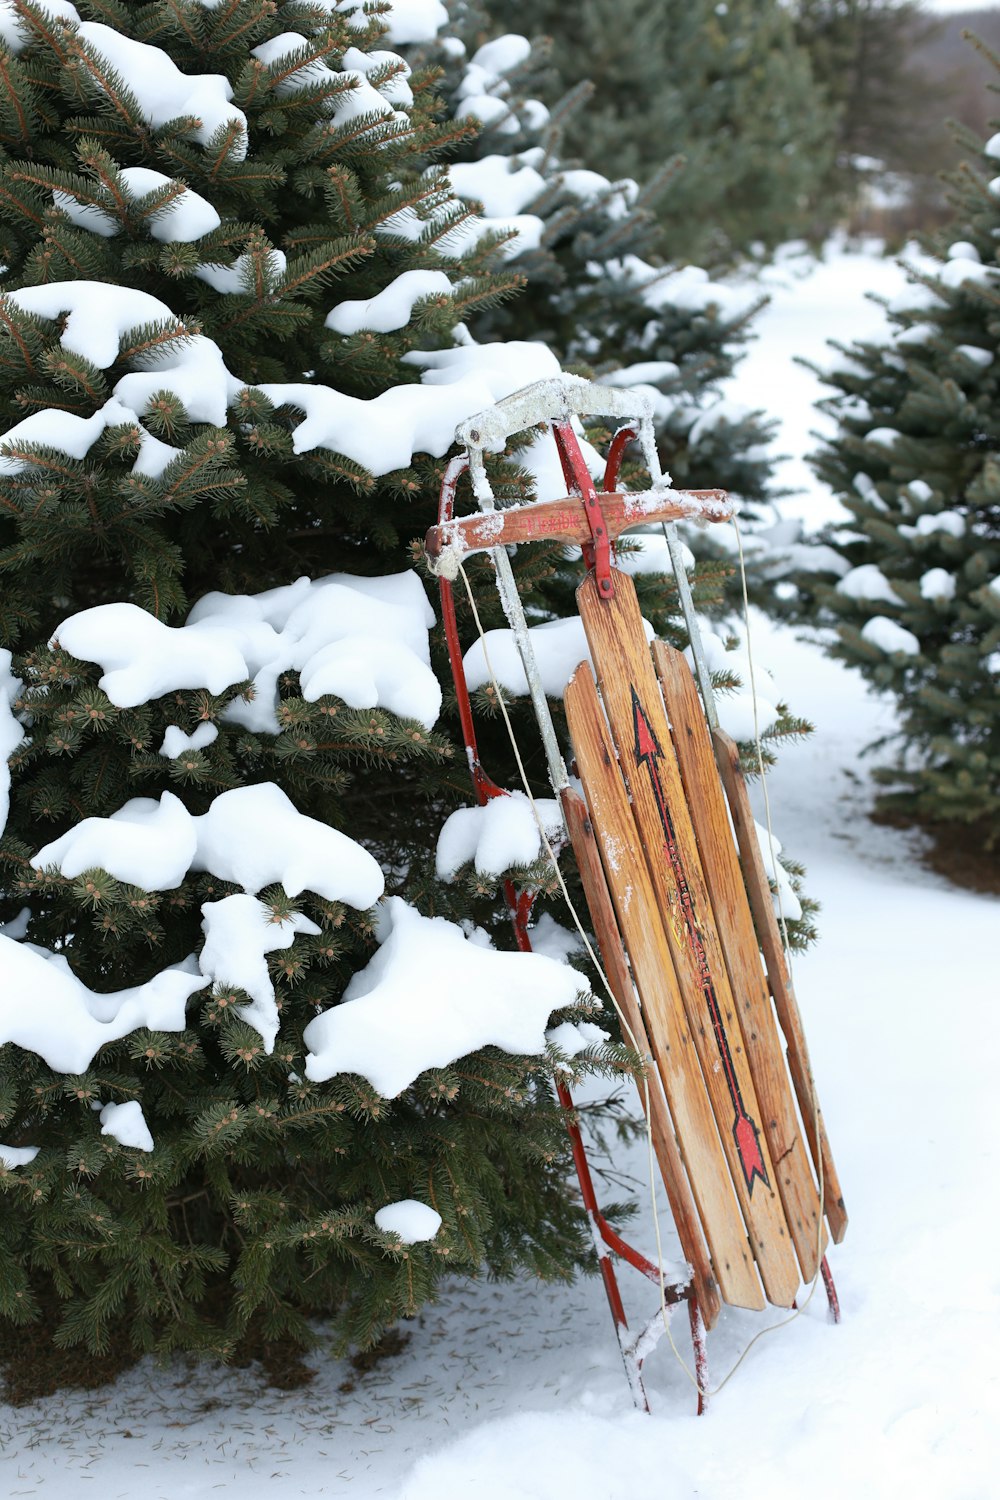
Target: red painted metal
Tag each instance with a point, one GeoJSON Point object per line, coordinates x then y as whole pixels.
{"type": "Point", "coordinates": [616, 453]}
{"type": "Point", "coordinates": [700, 1345]}
{"type": "Point", "coordinates": [596, 552]}
{"type": "Point", "coordinates": [484, 786]}
{"type": "Point", "coordinates": [566, 520]}
{"type": "Point", "coordinates": [607, 1241]}
{"type": "Point", "coordinates": [830, 1288]}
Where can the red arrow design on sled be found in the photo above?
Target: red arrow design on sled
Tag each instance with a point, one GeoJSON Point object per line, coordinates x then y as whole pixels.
{"type": "Point", "coordinates": [745, 1132]}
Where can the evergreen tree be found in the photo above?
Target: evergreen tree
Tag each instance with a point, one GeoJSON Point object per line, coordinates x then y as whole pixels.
{"type": "Point", "coordinates": [600, 288]}
{"type": "Point", "coordinates": [888, 107]}
{"type": "Point", "coordinates": [725, 86]}
{"type": "Point", "coordinates": [914, 460]}
{"type": "Point", "coordinates": [229, 362]}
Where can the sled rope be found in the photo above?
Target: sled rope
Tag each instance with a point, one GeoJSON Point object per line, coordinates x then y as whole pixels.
{"type": "Point", "coordinates": [598, 968]}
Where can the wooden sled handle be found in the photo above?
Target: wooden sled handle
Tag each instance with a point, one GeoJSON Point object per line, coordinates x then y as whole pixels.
{"type": "Point", "coordinates": [566, 520]}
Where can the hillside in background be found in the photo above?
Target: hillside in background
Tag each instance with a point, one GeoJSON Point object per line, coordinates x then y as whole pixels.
{"type": "Point", "coordinates": [945, 54]}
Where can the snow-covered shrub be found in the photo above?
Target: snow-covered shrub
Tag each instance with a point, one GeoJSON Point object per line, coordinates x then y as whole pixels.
{"type": "Point", "coordinates": [914, 586]}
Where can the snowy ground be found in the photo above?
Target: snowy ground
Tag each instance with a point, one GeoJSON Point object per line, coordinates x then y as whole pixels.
{"type": "Point", "coordinates": [810, 303]}
{"type": "Point", "coordinates": [517, 1391]}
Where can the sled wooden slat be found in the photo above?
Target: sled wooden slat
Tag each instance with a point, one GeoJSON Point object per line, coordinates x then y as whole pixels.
{"type": "Point", "coordinates": [601, 909]}
{"type": "Point", "coordinates": [720, 862]}
{"type": "Point", "coordinates": [566, 520]}
{"type": "Point", "coordinates": [727, 757]}
{"type": "Point", "coordinates": [666, 1025]}
{"type": "Point", "coordinates": [631, 695]}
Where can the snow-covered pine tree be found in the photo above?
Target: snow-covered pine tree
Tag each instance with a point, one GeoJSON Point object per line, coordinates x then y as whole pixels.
{"type": "Point", "coordinates": [726, 86]}
{"type": "Point", "coordinates": [229, 372]}
{"type": "Point", "coordinates": [604, 287]}
{"type": "Point", "coordinates": [914, 460]}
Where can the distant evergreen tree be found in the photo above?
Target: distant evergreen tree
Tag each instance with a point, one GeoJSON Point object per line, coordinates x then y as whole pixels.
{"type": "Point", "coordinates": [914, 460]}
{"type": "Point", "coordinates": [725, 86]}
{"type": "Point", "coordinates": [888, 107]}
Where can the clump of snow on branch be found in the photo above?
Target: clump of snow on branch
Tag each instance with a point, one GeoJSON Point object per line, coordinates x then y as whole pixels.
{"type": "Point", "coordinates": [381, 434]}
{"type": "Point", "coordinates": [690, 289]}
{"type": "Point", "coordinates": [648, 552]}
{"type": "Point", "coordinates": [176, 743]}
{"type": "Point", "coordinates": [502, 187]}
{"type": "Point", "coordinates": [736, 708]}
{"type": "Point", "coordinates": [252, 836]}
{"type": "Point", "coordinates": [357, 99]}
{"type": "Point", "coordinates": [239, 932]}
{"type": "Point", "coordinates": [486, 93]}
{"type": "Point", "coordinates": [95, 315]}
{"type": "Point", "coordinates": [408, 21]}
{"type": "Point", "coordinates": [777, 550]}
{"type": "Point", "coordinates": [163, 92]}
{"type": "Point", "coordinates": [364, 640]}
{"type": "Point", "coordinates": [185, 217]}
{"type": "Point", "coordinates": [240, 278]}
{"type": "Point", "coordinates": [550, 937]}
{"type": "Point", "coordinates": [502, 190]}
{"type": "Point", "coordinates": [17, 1156]}
{"type": "Point", "coordinates": [146, 843]}
{"type": "Point", "coordinates": [11, 732]}
{"type": "Point", "coordinates": [868, 583]}
{"type": "Point", "coordinates": [950, 521]}
{"type": "Point", "coordinates": [66, 1023]}
{"type": "Point", "coordinates": [142, 658]}
{"type": "Point", "coordinates": [432, 995]}
{"type": "Point", "coordinates": [127, 1124]}
{"type": "Point", "coordinates": [412, 1220]}
{"type": "Point", "coordinates": [889, 636]}
{"type": "Point", "coordinates": [392, 307]}
{"type": "Point", "coordinates": [938, 583]}
{"type": "Point", "coordinates": [498, 837]}
{"type": "Point", "coordinates": [573, 1037]}
{"type": "Point", "coordinates": [786, 902]}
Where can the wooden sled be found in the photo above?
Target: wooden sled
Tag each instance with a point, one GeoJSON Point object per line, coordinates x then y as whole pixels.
{"type": "Point", "coordinates": [681, 907]}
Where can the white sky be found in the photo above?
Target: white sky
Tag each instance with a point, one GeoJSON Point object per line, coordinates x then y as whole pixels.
{"type": "Point", "coordinates": [946, 7]}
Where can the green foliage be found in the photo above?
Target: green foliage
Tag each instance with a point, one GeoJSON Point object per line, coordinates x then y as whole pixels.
{"type": "Point", "coordinates": [256, 1205]}
{"type": "Point", "coordinates": [724, 86]}
{"type": "Point", "coordinates": [914, 461]}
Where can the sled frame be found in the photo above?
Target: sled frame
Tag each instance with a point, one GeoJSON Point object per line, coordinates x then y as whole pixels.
{"type": "Point", "coordinates": [594, 521]}
{"type": "Point", "coordinates": [608, 1243]}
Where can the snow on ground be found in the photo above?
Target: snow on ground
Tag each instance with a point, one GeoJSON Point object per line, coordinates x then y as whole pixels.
{"type": "Point", "coordinates": [517, 1391]}
{"type": "Point", "coordinates": [810, 303]}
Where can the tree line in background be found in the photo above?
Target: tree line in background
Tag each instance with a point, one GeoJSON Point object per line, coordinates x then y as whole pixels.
{"type": "Point", "coordinates": [791, 120]}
